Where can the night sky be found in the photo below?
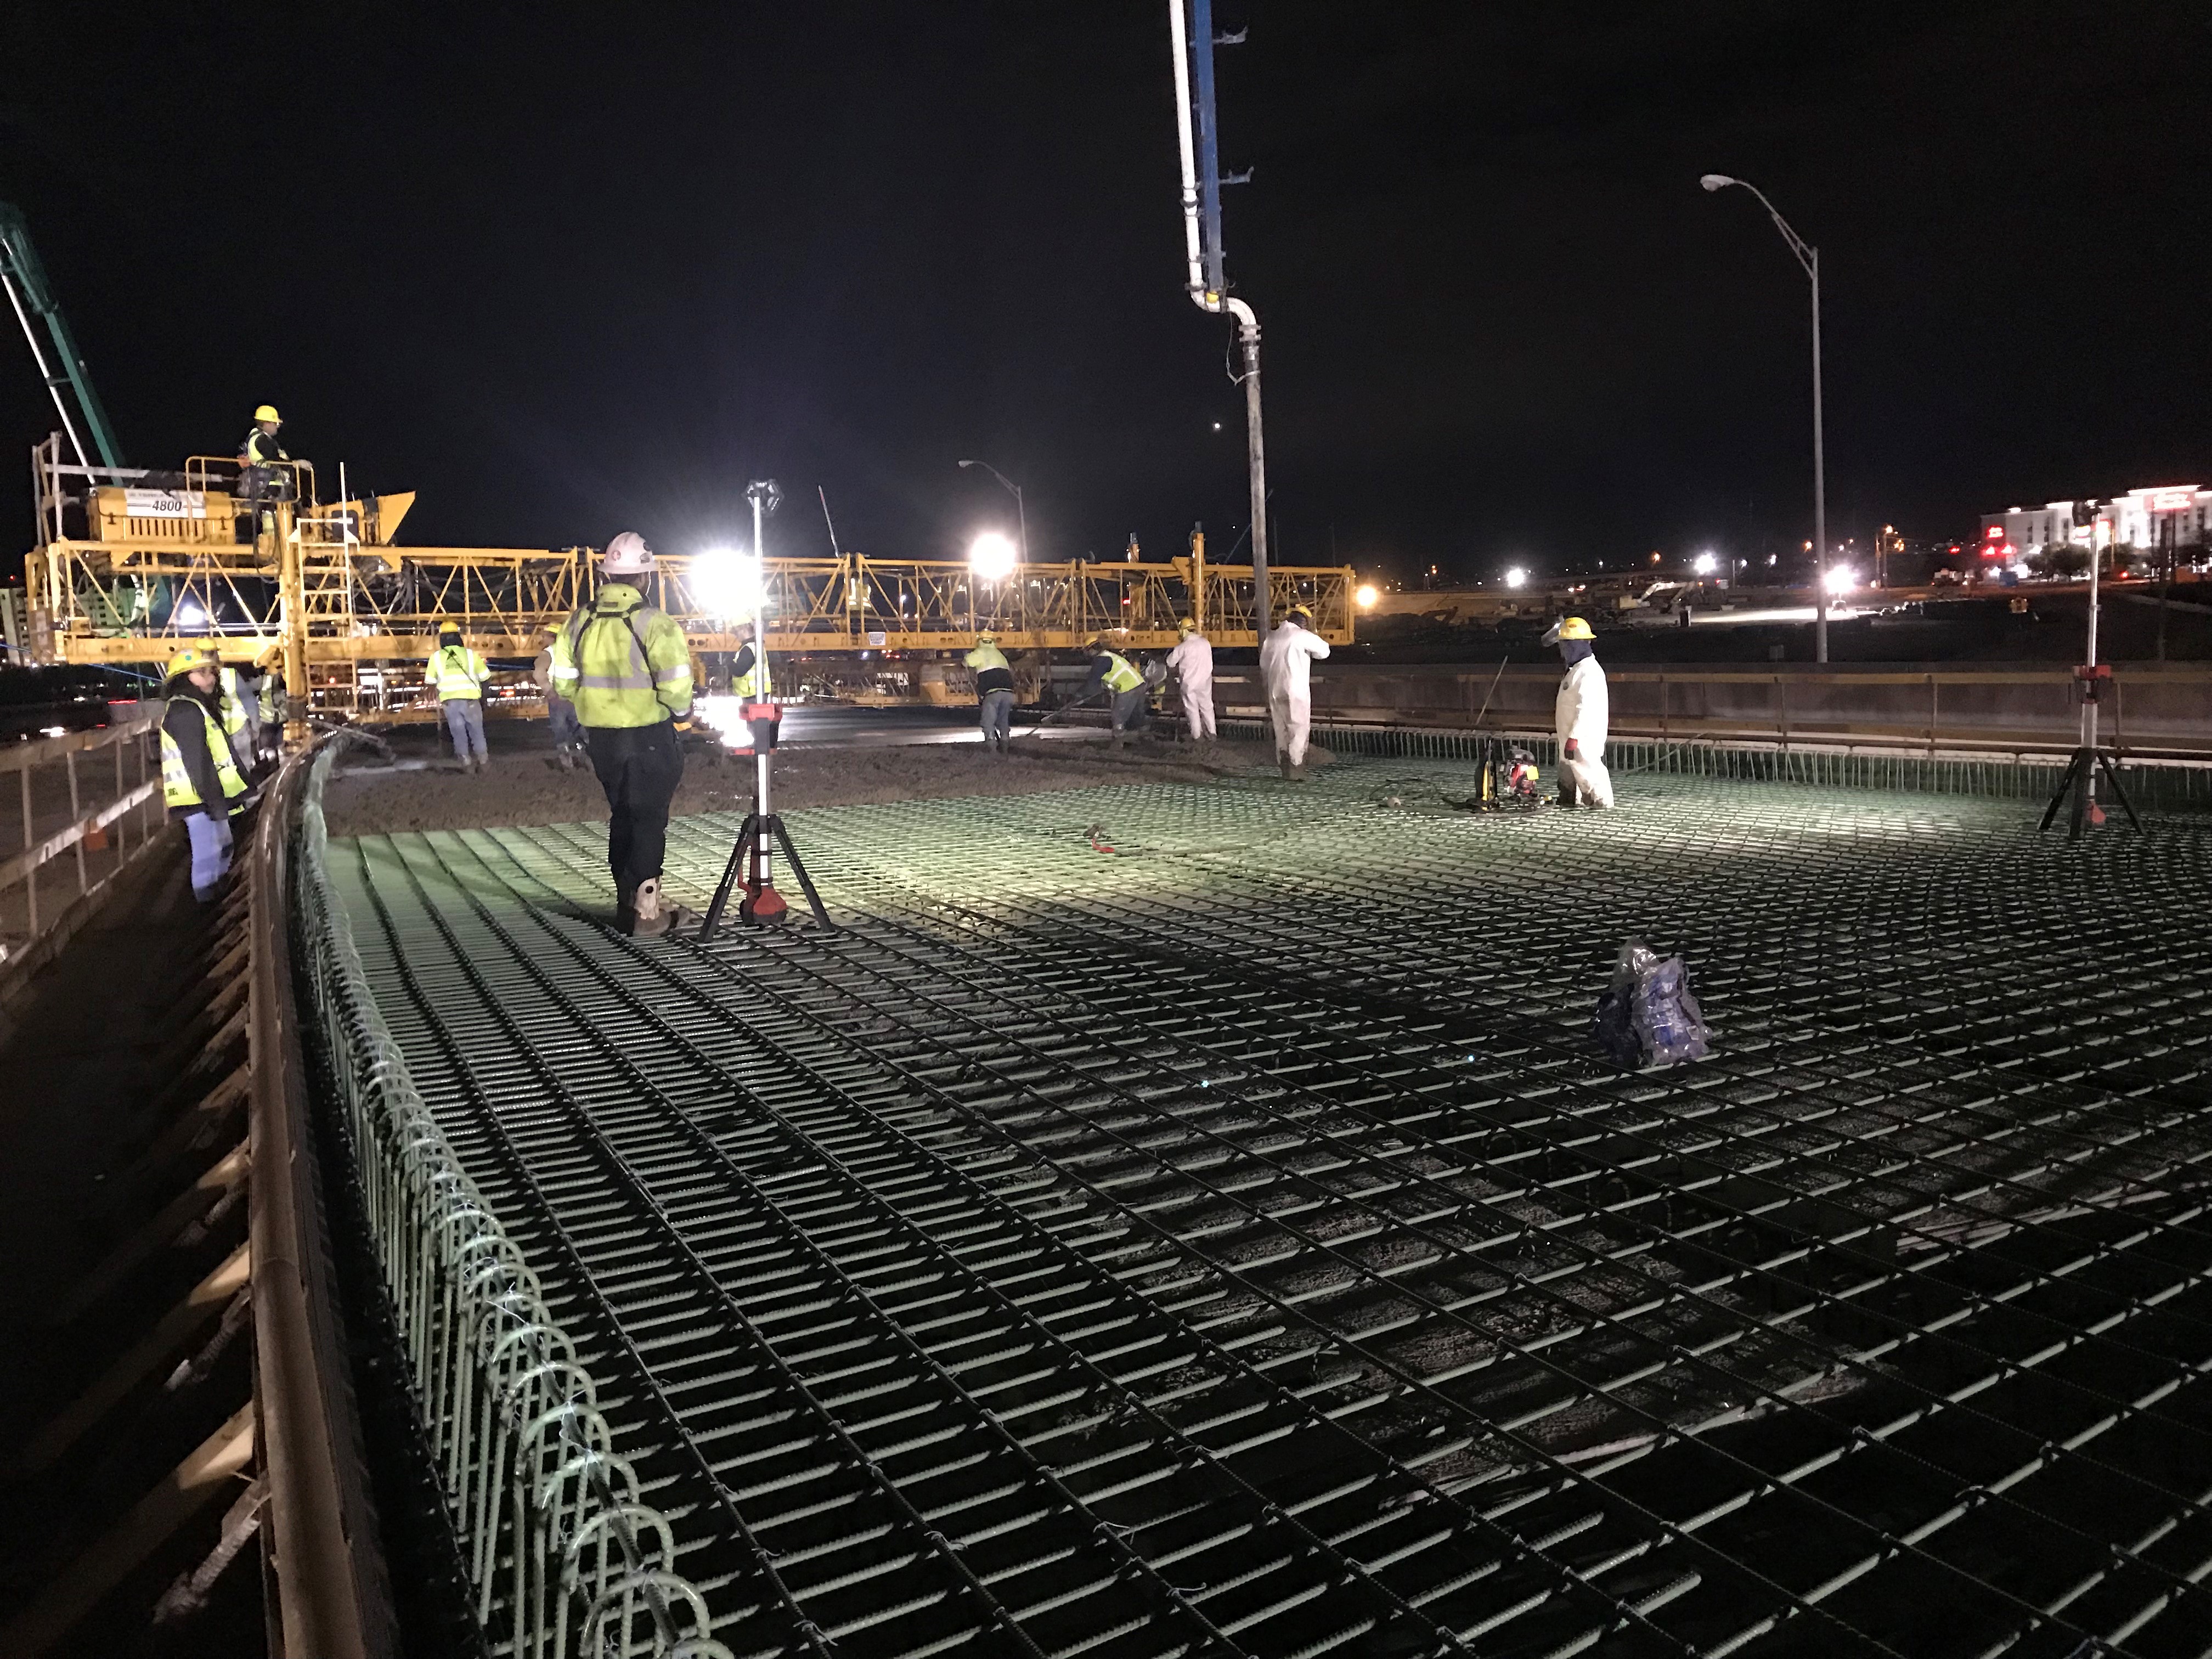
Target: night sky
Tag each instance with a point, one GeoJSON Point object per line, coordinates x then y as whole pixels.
{"type": "Point", "coordinates": [572, 276]}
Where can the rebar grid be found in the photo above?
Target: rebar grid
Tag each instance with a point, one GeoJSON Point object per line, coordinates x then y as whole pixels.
{"type": "Point", "coordinates": [563, 1556]}
{"type": "Point", "coordinates": [1252, 1194]}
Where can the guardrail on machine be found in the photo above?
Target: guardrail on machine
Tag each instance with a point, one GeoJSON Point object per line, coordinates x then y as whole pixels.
{"type": "Point", "coordinates": [563, 1556]}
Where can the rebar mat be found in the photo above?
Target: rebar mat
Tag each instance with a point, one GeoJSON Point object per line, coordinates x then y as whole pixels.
{"type": "Point", "coordinates": [1178, 1218]}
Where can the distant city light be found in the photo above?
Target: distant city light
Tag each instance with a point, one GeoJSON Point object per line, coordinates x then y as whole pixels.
{"type": "Point", "coordinates": [1516, 577]}
{"type": "Point", "coordinates": [727, 584]}
{"type": "Point", "coordinates": [992, 556]}
{"type": "Point", "coordinates": [1217, 426]}
{"type": "Point", "coordinates": [1706, 564]}
{"type": "Point", "coordinates": [1840, 580]}
{"type": "Point", "coordinates": [1367, 595]}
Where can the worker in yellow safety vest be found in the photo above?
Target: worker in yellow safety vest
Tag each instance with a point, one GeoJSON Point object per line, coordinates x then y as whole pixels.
{"type": "Point", "coordinates": [1112, 671]}
{"type": "Point", "coordinates": [626, 667]}
{"type": "Point", "coordinates": [200, 781]}
{"type": "Point", "coordinates": [265, 470]}
{"type": "Point", "coordinates": [994, 692]}
{"type": "Point", "coordinates": [457, 676]}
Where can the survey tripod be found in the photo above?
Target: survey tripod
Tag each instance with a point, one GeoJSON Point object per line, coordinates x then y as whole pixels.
{"type": "Point", "coordinates": [752, 861]}
{"type": "Point", "coordinates": [2079, 779]}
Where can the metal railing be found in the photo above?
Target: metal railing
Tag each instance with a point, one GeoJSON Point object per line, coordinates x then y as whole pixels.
{"type": "Point", "coordinates": [69, 806]}
{"type": "Point", "coordinates": [563, 1555]}
{"type": "Point", "coordinates": [2151, 708]}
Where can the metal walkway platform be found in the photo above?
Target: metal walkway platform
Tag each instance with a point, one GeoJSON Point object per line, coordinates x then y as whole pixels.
{"type": "Point", "coordinates": [1230, 1242]}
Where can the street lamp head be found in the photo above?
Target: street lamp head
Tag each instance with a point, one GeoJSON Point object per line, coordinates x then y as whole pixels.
{"type": "Point", "coordinates": [1719, 181]}
{"type": "Point", "coordinates": [967, 463]}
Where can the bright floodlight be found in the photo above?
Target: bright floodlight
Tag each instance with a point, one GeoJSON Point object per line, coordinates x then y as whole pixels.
{"type": "Point", "coordinates": [189, 614]}
{"type": "Point", "coordinates": [1516, 577]}
{"type": "Point", "coordinates": [992, 556]}
{"type": "Point", "coordinates": [1839, 580]}
{"type": "Point", "coordinates": [727, 584]}
{"type": "Point", "coordinates": [1367, 595]}
{"type": "Point", "coordinates": [1705, 564]}
{"type": "Point", "coordinates": [1716, 181]}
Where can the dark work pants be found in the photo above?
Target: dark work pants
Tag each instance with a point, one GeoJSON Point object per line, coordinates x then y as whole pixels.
{"type": "Point", "coordinates": [639, 767]}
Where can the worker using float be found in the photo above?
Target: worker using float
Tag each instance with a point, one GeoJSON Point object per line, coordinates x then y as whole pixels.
{"type": "Point", "coordinates": [1286, 660]}
{"type": "Point", "coordinates": [994, 692]}
{"type": "Point", "coordinates": [1113, 672]}
{"type": "Point", "coordinates": [457, 676]}
{"type": "Point", "coordinates": [1193, 661]}
{"type": "Point", "coordinates": [200, 780]}
{"type": "Point", "coordinates": [1579, 716]}
{"type": "Point", "coordinates": [626, 667]}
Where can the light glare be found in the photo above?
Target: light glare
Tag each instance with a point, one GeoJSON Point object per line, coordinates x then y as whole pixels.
{"type": "Point", "coordinates": [1840, 580]}
{"type": "Point", "coordinates": [992, 556]}
{"type": "Point", "coordinates": [1706, 564]}
{"type": "Point", "coordinates": [1516, 577]}
{"type": "Point", "coordinates": [1367, 595]}
{"type": "Point", "coordinates": [727, 584]}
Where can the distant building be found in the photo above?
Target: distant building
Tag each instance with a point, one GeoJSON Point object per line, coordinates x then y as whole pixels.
{"type": "Point", "coordinates": [2138, 519]}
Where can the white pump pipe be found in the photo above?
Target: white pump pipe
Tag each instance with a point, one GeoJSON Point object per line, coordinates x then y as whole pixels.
{"type": "Point", "coordinates": [1248, 320]}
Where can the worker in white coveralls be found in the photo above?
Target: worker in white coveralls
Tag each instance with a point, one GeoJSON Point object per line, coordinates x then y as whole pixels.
{"type": "Point", "coordinates": [1579, 717]}
{"type": "Point", "coordinates": [1193, 662]}
{"type": "Point", "coordinates": [1286, 662]}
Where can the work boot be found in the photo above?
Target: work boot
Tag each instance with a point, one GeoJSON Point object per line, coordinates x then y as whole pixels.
{"type": "Point", "coordinates": [651, 916]}
{"type": "Point", "coordinates": [1296, 772]}
{"type": "Point", "coordinates": [1282, 763]}
{"type": "Point", "coordinates": [625, 909]}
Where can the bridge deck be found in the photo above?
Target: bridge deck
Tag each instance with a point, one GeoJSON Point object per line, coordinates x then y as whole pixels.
{"type": "Point", "coordinates": [1230, 1242]}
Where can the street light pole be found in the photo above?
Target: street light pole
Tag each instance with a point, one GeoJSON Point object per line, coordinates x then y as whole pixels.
{"type": "Point", "coordinates": [1021, 512]}
{"type": "Point", "coordinates": [1809, 257]}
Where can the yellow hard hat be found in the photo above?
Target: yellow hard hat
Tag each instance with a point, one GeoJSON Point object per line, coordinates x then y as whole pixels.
{"type": "Point", "coordinates": [1095, 642]}
{"type": "Point", "coordinates": [268, 412]}
{"type": "Point", "coordinates": [1573, 627]}
{"type": "Point", "coordinates": [986, 639]}
{"type": "Point", "coordinates": [1187, 624]}
{"type": "Point", "coordinates": [191, 657]}
{"type": "Point", "coordinates": [453, 628]}
{"type": "Point", "coordinates": [1305, 610]}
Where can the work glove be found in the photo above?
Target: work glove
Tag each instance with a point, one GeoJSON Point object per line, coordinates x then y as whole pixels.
{"type": "Point", "coordinates": [1573, 752]}
{"type": "Point", "coordinates": [684, 725]}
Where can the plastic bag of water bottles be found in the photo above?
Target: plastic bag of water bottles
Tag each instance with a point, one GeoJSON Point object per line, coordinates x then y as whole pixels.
{"type": "Point", "coordinates": [1648, 1015]}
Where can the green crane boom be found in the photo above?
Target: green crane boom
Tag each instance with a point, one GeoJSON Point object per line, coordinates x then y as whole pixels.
{"type": "Point", "coordinates": [60, 363]}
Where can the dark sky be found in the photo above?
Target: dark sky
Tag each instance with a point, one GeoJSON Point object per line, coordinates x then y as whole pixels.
{"type": "Point", "coordinates": [574, 276]}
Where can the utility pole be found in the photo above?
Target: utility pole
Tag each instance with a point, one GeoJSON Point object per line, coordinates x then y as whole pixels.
{"type": "Point", "coordinates": [1205, 279]}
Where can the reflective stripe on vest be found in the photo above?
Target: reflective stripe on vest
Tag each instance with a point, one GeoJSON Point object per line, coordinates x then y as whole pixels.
{"type": "Point", "coordinates": [176, 788]}
{"type": "Point", "coordinates": [611, 677]}
{"type": "Point", "coordinates": [753, 683]}
{"type": "Point", "coordinates": [1120, 676]}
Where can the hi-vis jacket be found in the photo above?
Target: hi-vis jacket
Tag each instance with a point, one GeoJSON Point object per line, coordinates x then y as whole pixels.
{"type": "Point", "coordinates": [458, 672]}
{"type": "Point", "coordinates": [189, 777]}
{"type": "Point", "coordinates": [1112, 671]}
{"type": "Point", "coordinates": [622, 662]}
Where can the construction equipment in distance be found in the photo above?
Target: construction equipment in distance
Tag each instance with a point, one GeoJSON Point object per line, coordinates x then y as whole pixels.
{"type": "Point", "coordinates": [130, 565]}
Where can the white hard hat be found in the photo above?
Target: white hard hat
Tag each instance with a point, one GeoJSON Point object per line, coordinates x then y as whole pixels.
{"type": "Point", "coordinates": [627, 555]}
